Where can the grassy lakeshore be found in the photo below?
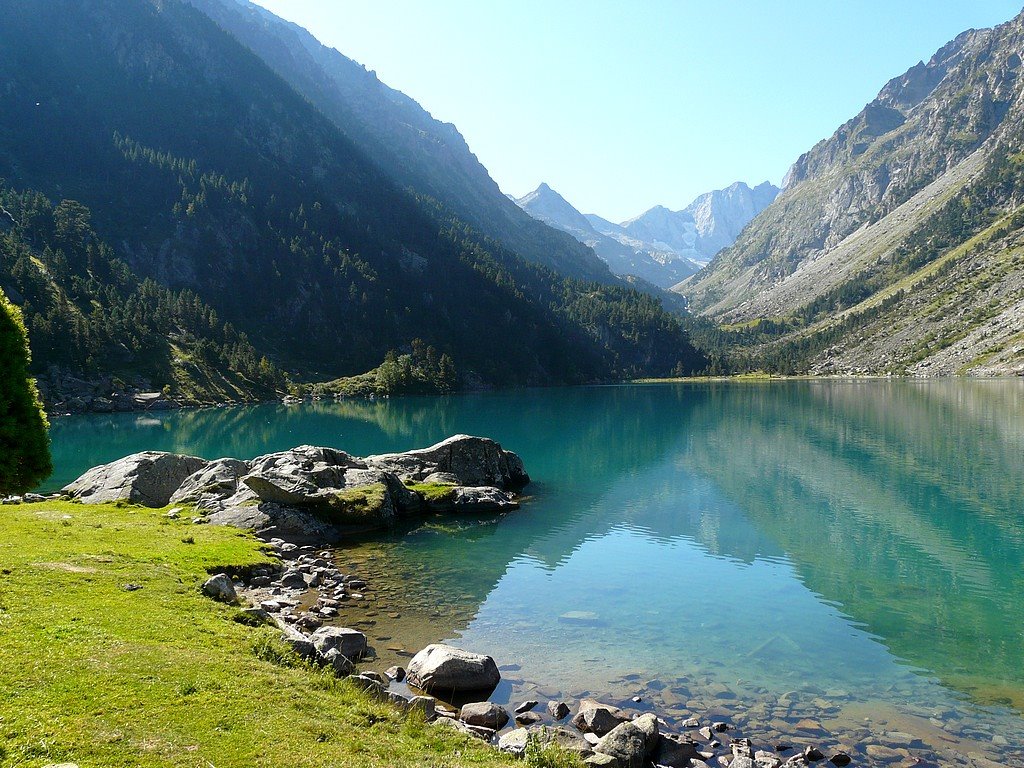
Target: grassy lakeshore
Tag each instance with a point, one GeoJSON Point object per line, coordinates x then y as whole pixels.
{"type": "Point", "coordinates": [100, 675]}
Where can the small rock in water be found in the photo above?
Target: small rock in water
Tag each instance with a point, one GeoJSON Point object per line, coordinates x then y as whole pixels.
{"type": "Point", "coordinates": [813, 755]}
{"type": "Point", "coordinates": [395, 673]}
{"type": "Point", "coordinates": [691, 722]}
{"type": "Point", "coordinates": [636, 699]}
{"type": "Point", "coordinates": [720, 727]}
{"type": "Point", "coordinates": [526, 706]}
{"type": "Point", "coordinates": [587, 618]}
{"type": "Point", "coordinates": [558, 709]}
{"type": "Point", "coordinates": [528, 718]}
{"type": "Point", "coordinates": [484, 714]}
{"type": "Point", "coordinates": [840, 759]}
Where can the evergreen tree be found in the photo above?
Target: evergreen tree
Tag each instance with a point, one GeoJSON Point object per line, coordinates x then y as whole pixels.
{"type": "Point", "coordinates": [24, 443]}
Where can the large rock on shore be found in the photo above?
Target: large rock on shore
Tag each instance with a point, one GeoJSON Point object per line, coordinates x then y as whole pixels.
{"type": "Point", "coordinates": [595, 717]}
{"type": "Point", "coordinates": [445, 669]}
{"type": "Point", "coordinates": [475, 461]}
{"type": "Point", "coordinates": [216, 481]}
{"type": "Point", "coordinates": [351, 643]}
{"type": "Point", "coordinates": [315, 493]}
{"type": "Point", "coordinates": [631, 743]}
{"type": "Point", "coordinates": [149, 479]}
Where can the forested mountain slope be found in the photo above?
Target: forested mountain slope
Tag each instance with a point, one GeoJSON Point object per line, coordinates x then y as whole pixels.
{"type": "Point", "coordinates": [400, 136]}
{"type": "Point", "coordinates": [202, 172]}
{"type": "Point", "coordinates": [895, 245]}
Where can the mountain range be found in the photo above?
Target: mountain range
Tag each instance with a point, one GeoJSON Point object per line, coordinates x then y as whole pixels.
{"type": "Point", "coordinates": [660, 246]}
{"type": "Point", "coordinates": [895, 245]}
{"type": "Point", "coordinates": [200, 195]}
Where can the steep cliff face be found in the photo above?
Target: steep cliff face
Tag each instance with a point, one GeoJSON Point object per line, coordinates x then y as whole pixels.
{"type": "Point", "coordinates": [884, 186]}
{"type": "Point", "coordinates": [921, 125]}
{"type": "Point", "coordinates": [411, 146]}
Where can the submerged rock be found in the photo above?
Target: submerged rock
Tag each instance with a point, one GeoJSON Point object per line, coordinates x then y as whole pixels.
{"type": "Point", "coordinates": [446, 669]}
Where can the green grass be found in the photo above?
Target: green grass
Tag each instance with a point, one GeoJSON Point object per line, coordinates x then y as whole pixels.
{"type": "Point", "coordinates": [357, 506]}
{"type": "Point", "coordinates": [432, 492]}
{"type": "Point", "coordinates": [162, 676]}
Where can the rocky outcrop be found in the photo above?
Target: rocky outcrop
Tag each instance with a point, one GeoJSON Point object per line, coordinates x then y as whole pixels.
{"type": "Point", "coordinates": [475, 461]}
{"type": "Point", "coordinates": [148, 479]}
{"type": "Point", "coordinates": [446, 669]}
{"type": "Point", "coordinates": [312, 492]}
{"type": "Point", "coordinates": [216, 480]}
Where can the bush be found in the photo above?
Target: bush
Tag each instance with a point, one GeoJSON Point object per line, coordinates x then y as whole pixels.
{"type": "Point", "coordinates": [24, 443]}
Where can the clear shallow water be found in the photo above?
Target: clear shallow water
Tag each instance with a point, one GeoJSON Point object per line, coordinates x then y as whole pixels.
{"type": "Point", "coordinates": [846, 551]}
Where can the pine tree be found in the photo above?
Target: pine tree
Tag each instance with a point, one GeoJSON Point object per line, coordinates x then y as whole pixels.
{"type": "Point", "coordinates": [24, 443]}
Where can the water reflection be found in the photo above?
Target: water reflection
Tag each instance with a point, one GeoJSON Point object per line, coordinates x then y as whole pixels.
{"type": "Point", "coordinates": [862, 536]}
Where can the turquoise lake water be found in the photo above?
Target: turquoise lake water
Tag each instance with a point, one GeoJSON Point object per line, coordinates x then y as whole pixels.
{"type": "Point", "coordinates": [846, 551]}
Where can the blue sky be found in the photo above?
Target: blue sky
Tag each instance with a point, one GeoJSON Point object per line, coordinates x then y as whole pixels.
{"type": "Point", "coordinates": [621, 106]}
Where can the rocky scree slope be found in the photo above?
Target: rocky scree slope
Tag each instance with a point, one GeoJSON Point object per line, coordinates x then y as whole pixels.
{"type": "Point", "coordinates": [894, 245]}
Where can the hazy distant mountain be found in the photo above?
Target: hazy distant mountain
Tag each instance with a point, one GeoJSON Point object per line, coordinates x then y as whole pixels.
{"type": "Point", "coordinates": [895, 245]}
{"type": "Point", "coordinates": [707, 225]}
{"type": "Point", "coordinates": [659, 266]}
{"type": "Point", "coordinates": [660, 244]}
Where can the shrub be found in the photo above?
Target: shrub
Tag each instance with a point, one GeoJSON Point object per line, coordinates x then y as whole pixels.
{"type": "Point", "coordinates": [24, 443]}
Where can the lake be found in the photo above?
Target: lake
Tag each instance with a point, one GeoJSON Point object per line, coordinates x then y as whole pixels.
{"type": "Point", "coordinates": [841, 554]}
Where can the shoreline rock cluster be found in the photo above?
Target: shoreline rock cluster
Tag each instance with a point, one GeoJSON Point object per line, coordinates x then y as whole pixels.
{"type": "Point", "coordinates": [302, 595]}
{"type": "Point", "coordinates": [315, 493]}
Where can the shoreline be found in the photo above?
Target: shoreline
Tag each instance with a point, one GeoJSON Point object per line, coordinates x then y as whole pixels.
{"type": "Point", "coordinates": [715, 720]}
{"type": "Point", "coordinates": [170, 405]}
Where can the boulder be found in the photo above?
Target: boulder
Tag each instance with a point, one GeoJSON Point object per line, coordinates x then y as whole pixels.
{"type": "Point", "coordinates": [217, 481]}
{"type": "Point", "coordinates": [299, 643]}
{"type": "Point", "coordinates": [481, 499]}
{"type": "Point", "coordinates": [566, 738]}
{"type": "Point", "coordinates": [220, 587]}
{"type": "Point", "coordinates": [484, 714]}
{"type": "Point", "coordinates": [339, 662]}
{"type": "Point", "coordinates": [444, 668]}
{"type": "Point", "coordinates": [475, 461]}
{"type": "Point", "coordinates": [594, 717]}
{"type": "Point", "coordinates": [395, 673]}
{"type": "Point", "coordinates": [558, 709]}
{"type": "Point", "coordinates": [348, 642]}
{"type": "Point", "coordinates": [675, 752]}
{"type": "Point", "coordinates": [149, 478]}
{"type": "Point", "coordinates": [331, 483]}
{"type": "Point", "coordinates": [514, 742]}
{"type": "Point", "coordinates": [631, 743]}
{"type": "Point", "coordinates": [425, 704]}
